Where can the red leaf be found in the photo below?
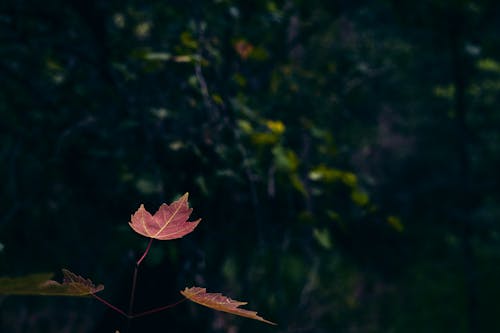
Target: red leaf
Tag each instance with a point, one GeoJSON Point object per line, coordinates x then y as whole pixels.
{"type": "Point", "coordinates": [220, 302]}
{"type": "Point", "coordinates": [169, 222]}
{"type": "Point", "coordinates": [243, 48]}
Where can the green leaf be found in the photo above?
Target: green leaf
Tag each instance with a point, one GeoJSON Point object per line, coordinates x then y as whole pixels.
{"type": "Point", "coordinates": [395, 222]}
{"type": "Point", "coordinates": [285, 159]}
{"type": "Point", "coordinates": [161, 56]}
{"type": "Point", "coordinates": [41, 284]}
{"type": "Point", "coordinates": [359, 197]}
{"type": "Point", "coordinates": [188, 40]}
{"type": "Point", "coordinates": [264, 138]}
{"type": "Point", "coordinates": [322, 236]}
{"type": "Point", "coordinates": [24, 285]}
{"type": "Point", "coordinates": [298, 185]}
{"type": "Point", "coordinates": [488, 65]}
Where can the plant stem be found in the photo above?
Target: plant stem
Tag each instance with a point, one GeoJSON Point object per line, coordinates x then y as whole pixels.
{"type": "Point", "coordinates": [134, 283]}
{"type": "Point", "coordinates": [134, 279]}
{"type": "Point", "coordinates": [111, 306]}
{"type": "Point", "coordinates": [145, 313]}
{"type": "Point", "coordinates": [145, 252]}
{"type": "Point", "coordinates": [132, 294]}
{"type": "Point", "coordinates": [158, 309]}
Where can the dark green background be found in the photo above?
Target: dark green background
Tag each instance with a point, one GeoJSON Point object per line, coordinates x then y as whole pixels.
{"type": "Point", "coordinates": [344, 157]}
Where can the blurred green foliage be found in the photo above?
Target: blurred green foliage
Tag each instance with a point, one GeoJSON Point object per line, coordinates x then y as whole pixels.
{"type": "Point", "coordinates": [344, 158]}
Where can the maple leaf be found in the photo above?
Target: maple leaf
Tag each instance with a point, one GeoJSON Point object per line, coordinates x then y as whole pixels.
{"type": "Point", "coordinates": [79, 285]}
{"type": "Point", "coordinates": [220, 302]}
{"type": "Point", "coordinates": [40, 284]}
{"type": "Point", "coordinates": [169, 222]}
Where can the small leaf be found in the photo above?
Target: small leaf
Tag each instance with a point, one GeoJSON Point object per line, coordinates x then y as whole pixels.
{"type": "Point", "coordinates": [395, 222]}
{"type": "Point", "coordinates": [323, 238]}
{"type": "Point", "coordinates": [169, 222]}
{"type": "Point", "coordinates": [243, 48]}
{"type": "Point", "coordinates": [220, 302]}
{"type": "Point", "coordinates": [40, 284]}
{"type": "Point", "coordinates": [79, 285]}
{"type": "Point", "coordinates": [163, 56]}
{"type": "Point", "coordinates": [275, 126]}
{"type": "Point", "coordinates": [359, 197]}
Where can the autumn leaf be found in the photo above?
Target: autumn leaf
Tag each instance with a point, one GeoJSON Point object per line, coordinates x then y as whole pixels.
{"type": "Point", "coordinates": [169, 222]}
{"type": "Point", "coordinates": [243, 48]}
{"type": "Point", "coordinates": [220, 302]}
{"type": "Point", "coordinates": [40, 284]}
{"type": "Point", "coordinates": [79, 285]}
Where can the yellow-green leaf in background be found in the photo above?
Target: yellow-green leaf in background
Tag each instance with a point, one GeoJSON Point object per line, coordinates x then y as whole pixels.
{"type": "Point", "coordinates": [285, 159]}
{"type": "Point", "coordinates": [217, 99]}
{"type": "Point", "coordinates": [322, 236]}
{"type": "Point", "coordinates": [359, 197]}
{"type": "Point", "coordinates": [240, 79]}
{"type": "Point", "coordinates": [324, 173]}
{"type": "Point", "coordinates": [41, 284]}
{"type": "Point", "coordinates": [447, 91]}
{"type": "Point", "coordinates": [488, 65]}
{"type": "Point", "coordinates": [333, 215]}
{"type": "Point", "coordinates": [349, 179]}
{"type": "Point", "coordinates": [160, 56]}
{"type": "Point", "coordinates": [395, 222]}
{"type": "Point", "coordinates": [245, 126]}
{"type": "Point", "coordinates": [259, 54]}
{"type": "Point", "coordinates": [264, 138]}
{"type": "Point", "coordinates": [275, 126]}
{"type": "Point", "coordinates": [143, 29]}
{"type": "Point", "coordinates": [188, 40]}
{"type": "Point", "coordinates": [298, 185]}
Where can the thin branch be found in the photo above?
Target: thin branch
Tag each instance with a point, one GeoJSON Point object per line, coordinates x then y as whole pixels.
{"type": "Point", "coordinates": [134, 279]}
{"type": "Point", "coordinates": [158, 309]}
{"type": "Point", "coordinates": [134, 283]}
{"type": "Point", "coordinates": [132, 293]}
{"type": "Point", "coordinates": [111, 306]}
{"type": "Point", "coordinates": [145, 252]}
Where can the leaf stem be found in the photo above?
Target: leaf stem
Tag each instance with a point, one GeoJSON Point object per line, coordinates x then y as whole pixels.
{"type": "Point", "coordinates": [132, 293]}
{"type": "Point", "coordinates": [134, 283]}
{"type": "Point", "coordinates": [111, 306]}
{"type": "Point", "coordinates": [134, 279]}
{"type": "Point", "coordinates": [145, 253]}
{"type": "Point", "coordinates": [158, 309]}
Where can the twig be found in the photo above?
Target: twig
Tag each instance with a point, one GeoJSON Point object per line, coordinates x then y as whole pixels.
{"type": "Point", "coordinates": [103, 301]}
{"type": "Point", "coordinates": [134, 283]}
{"type": "Point", "coordinates": [158, 309]}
